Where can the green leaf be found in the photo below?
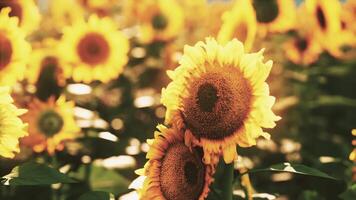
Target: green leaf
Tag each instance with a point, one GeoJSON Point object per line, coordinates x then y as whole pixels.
{"type": "Point", "coordinates": [328, 100]}
{"type": "Point", "coordinates": [294, 168]}
{"type": "Point", "coordinates": [350, 193]}
{"type": "Point", "coordinates": [222, 186]}
{"type": "Point", "coordinates": [97, 195]}
{"type": "Point", "coordinates": [34, 174]}
{"type": "Point", "coordinates": [108, 180]}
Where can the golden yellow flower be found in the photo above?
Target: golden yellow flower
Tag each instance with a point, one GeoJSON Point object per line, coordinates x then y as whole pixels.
{"type": "Point", "coordinates": [213, 20]}
{"type": "Point", "coordinates": [219, 95]}
{"type": "Point", "coordinates": [303, 49]}
{"type": "Point", "coordinates": [100, 7]}
{"type": "Point", "coordinates": [45, 60]}
{"type": "Point", "coordinates": [95, 50]}
{"type": "Point", "coordinates": [274, 15]}
{"type": "Point", "coordinates": [347, 36]}
{"type": "Point", "coordinates": [174, 171]}
{"type": "Point", "coordinates": [239, 22]}
{"type": "Point", "coordinates": [13, 49]}
{"type": "Point", "coordinates": [160, 20]}
{"type": "Point", "coordinates": [26, 11]}
{"type": "Point", "coordinates": [51, 123]}
{"type": "Point", "coordinates": [324, 16]}
{"type": "Point", "coordinates": [97, 4]}
{"type": "Point", "coordinates": [63, 13]}
{"type": "Point", "coordinates": [194, 13]}
{"type": "Point", "coordinates": [352, 156]}
{"type": "Point", "coordinates": [348, 14]}
{"type": "Point", "coordinates": [11, 126]}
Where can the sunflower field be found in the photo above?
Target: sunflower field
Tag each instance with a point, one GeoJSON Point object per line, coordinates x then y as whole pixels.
{"type": "Point", "coordinates": [177, 99]}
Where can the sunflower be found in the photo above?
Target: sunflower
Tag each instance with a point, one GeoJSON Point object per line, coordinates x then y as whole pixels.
{"type": "Point", "coordinates": [304, 48]}
{"type": "Point", "coordinates": [46, 70]}
{"type": "Point", "coordinates": [352, 156]}
{"type": "Point", "coordinates": [274, 15]}
{"type": "Point", "coordinates": [213, 20]}
{"type": "Point", "coordinates": [45, 60]}
{"type": "Point", "coordinates": [101, 8]}
{"type": "Point", "coordinates": [219, 95]}
{"type": "Point", "coordinates": [61, 12]}
{"type": "Point", "coordinates": [11, 126]}
{"type": "Point", "coordinates": [347, 36]}
{"type": "Point", "coordinates": [240, 22]}
{"type": "Point", "coordinates": [349, 15]}
{"type": "Point", "coordinates": [160, 20]}
{"type": "Point", "coordinates": [26, 11]}
{"type": "Point", "coordinates": [324, 16]}
{"type": "Point", "coordinates": [13, 49]}
{"type": "Point", "coordinates": [174, 171]}
{"type": "Point", "coordinates": [95, 50]}
{"type": "Point", "coordinates": [51, 123]}
{"type": "Point", "coordinates": [194, 12]}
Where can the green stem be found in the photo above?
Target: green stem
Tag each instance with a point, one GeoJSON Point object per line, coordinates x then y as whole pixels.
{"type": "Point", "coordinates": [227, 183]}
{"type": "Point", "coordinates": [55, 165]}
{"type": "Point", "coordinates": [87, 172]}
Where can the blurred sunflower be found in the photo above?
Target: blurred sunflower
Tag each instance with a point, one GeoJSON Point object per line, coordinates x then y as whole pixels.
{"type": "Point", "coordinates": [302, 49]}
{"type": "Point", "coordinates": [11, 126]}
{"type": "Point", "coordinates": [212, 22]}
{"type": "Point", "coordinates": [13, 49]}
{"type": "Point", "coordinates": [160, 20]}
{"type": "Point", "coordinates": [195, 15]}
{"type": "Point", "coordinates": [347, 35]}
{"type": "Point", "coordinates": [51, 123]}
{"type": "Point", "coordinates": [223, 85]}
{"type": "Point", "coordinates": [324, 16]}
{"type": "Point", "coordinates": [100, 7]}
{"type": "Point", "coordinates": [174, 171]}
{"type": "Point", "coordinates": [352, 156]}
{"type": "Point", "coordinates": [349, 15]}
{"type": "Point", "coordinates": [26, 11]}
{"type": "Point", "coordinates": [239, 22]}
{"type": "Point", "coordinates": [95, 50]}
{"type": "Point", "coordinates": [61, 12]}
{"type": "Point", "coordinates": [194, 11]}
{"type": "Point", "coordinates": [274, 15]}
{"type": "Point", "coordinates": [45, 60]}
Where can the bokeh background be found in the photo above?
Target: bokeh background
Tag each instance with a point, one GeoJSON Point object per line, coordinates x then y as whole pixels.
{"type": "Point", "coordinates": [315, 87]}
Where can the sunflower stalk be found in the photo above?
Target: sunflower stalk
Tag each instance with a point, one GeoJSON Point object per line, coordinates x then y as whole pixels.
{"type": "Point", "coordinates": [246, 184]}
{"type": "Point", "coordinates": [55, 165]}
{"type": "Point", "coordinates": [228, 179]}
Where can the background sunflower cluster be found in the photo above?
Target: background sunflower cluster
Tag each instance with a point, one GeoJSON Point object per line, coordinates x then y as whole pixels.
{"type": "Point", "coordinates": [85, 79]}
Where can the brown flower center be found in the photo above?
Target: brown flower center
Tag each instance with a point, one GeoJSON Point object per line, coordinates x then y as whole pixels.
{"type": "Point", "coordinates": [301, 44]}
{"type": "Point", "coordinates": [191, 173]}
{"type": "Point", "coordinates": [218, 104]}
{"type": "Point", "coordinates": [207, 97]}
{"type": "Point", "coordinates": [159, 22]}
{"type": "Point", "coordinates": [93, 49]}
{"type": "Point", "coordinates": [50, 79]}
{"type": "Point", "coordinates": [321, 17]}
{"type": "Point", "coordinates": [16, 10]}
{"type": "Point", "coordinates": [182, 173]}
{"type": "Point", "coordinates": [241, 32]}
{"type": "Point", "coordinates": [49, 62]}
{"type": "Point", "coordinates": [266, 10]}
{"type": "Point", "coordinates": [5, 51]}
{"type": "Point", "coordinates": [50, 122]}
{"type": "Point", "coordinates": [343, 25]}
